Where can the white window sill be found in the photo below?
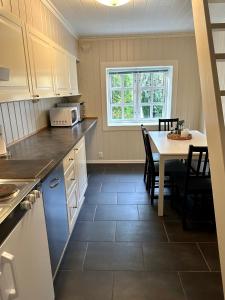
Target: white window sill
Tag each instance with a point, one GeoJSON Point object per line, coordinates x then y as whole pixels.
{"type": "Point", "coordinates": [130, 127]}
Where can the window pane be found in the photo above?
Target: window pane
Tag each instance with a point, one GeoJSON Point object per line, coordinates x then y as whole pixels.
{"type": "Point", "coordinates": [116, 96]}
{"type": "Point", "coordinates": [128, 112]}
{"type": "Point", "coordinates": [158, 78]}
{"type": "Point", "coordinates": [145, 112]}
{"type": "Point", "coordinates": [128, 80]}
{"type": "Point", "coordinates": [158, 96]}
{"type": "Point", "coordinates": [116, 80]}
{"type": "Point", "coordinates": [145, 96]}
{"type": "Point", "coordinates": [128, 96]}
{"type": "Point", "coordinates": [145, 79]}
{"type": "Point", "coordinates": [157, 111]}
{"type": "Point", "coordinates": [116, 112]}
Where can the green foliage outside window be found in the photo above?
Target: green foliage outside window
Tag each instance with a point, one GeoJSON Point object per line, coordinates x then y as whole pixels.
{"type": "Point", "coordinates": [117, 112]}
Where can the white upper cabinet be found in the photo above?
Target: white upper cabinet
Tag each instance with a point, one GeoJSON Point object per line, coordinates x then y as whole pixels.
{"type": "Point", "coordinates": [73, 75]}
{"type": "Point", "coordinates": [13, 59]}
{"type": "Point", "coordinates": [41, 64]}
{"type": "Point", "coordinates": [61, 72]}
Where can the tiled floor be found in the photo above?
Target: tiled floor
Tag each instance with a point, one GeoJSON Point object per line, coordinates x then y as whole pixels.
{"type": "Point", "coordinates": [121, 250]}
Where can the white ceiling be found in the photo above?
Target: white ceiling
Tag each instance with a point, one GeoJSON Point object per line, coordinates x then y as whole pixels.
{"type": "Point", "coordinates": [90, 18]}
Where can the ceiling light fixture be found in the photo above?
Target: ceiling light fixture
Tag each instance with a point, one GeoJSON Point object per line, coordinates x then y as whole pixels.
{"type": "Point", "coordinates": [113, 2]}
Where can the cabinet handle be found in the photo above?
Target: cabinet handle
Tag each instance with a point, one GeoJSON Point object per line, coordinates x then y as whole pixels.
{"type": "Point", "coordinates": [73, 179]}
{"type": "Point", "coordinates": [7, 258]}
{"type": "Point", "coordinates": [70, 159]}
{"type": "Point", "coordinates": [36, 96]}
{"type": "Point", "coordinates": [54, 182]}
{"type": "Point", "coordinates": [57, 94]}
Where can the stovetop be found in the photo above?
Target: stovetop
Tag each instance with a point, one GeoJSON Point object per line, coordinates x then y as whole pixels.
{"type": "Point", "coordinates": [10, 202]}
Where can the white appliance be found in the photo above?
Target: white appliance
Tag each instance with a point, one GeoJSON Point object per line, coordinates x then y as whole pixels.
{"type": "Point", "coordinates": [64, 116]}
{"type": "Point", "coordinates": [73, 104]}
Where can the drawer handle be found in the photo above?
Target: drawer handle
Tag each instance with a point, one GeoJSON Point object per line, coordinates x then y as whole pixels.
{"type": "Point", "coordinates": [73, 179]}
{"type": "Point", "coordinates": [7, 258]}
{"type": "Point", "coordinates": [71, 159]}
{"type": "Point", "coordinates": [54, 182]}
{"type": "Point", "coordinates": [58, 94]}
{"type": "Point", "coordinates": [36, 96]}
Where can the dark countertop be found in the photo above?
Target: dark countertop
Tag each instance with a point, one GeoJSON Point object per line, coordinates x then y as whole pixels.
{"type": "Point", "coordinates": [38, 154]}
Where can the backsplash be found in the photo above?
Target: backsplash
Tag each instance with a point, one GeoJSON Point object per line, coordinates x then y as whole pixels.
{"type": "Point", "coordinates": [23, 118]}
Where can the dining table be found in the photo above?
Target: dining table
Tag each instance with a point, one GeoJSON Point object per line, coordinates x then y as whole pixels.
{"type": "Point", "coordinates": [172, 149]}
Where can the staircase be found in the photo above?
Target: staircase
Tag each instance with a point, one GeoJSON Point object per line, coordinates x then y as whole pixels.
{"type": "Point", "coordinates": [209, 22]}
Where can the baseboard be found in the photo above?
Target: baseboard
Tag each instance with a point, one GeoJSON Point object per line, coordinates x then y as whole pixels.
{"type": "Point", "coordinates": [138, 161]}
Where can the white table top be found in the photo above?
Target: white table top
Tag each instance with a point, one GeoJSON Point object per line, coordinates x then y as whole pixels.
{"type": "Point", "coordinates": [166, 146]}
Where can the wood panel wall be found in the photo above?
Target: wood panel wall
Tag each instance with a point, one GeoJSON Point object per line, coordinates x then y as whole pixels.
{"type": "Point", "coordinates": [128, 145]}
{"type": "Point", "coordinates": [23, 118]}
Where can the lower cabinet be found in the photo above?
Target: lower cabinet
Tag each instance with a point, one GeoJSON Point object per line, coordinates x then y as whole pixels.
{"type": "Point", "coordinates": [75, 175]}
{"type": "Point", "coordinates": [25, 271]}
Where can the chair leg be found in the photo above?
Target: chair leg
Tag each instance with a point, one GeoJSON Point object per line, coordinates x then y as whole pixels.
{"type": "Point", "coordinates": [152, 189]}
{"type": "Point", "coordinates": [148, 183]}
{"type": "Point", "coordinates": [145, 170]}
{"type": "Point", "coordinates": [184, 208]}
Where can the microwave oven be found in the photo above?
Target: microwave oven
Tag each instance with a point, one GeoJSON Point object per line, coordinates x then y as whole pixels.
{"type": "Point", "coordinates": [63, 116]}
{"type": "Point", "coordinates": [79, 106]}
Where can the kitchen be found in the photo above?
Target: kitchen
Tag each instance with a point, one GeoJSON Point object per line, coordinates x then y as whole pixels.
{"type": "Point", "coordinates": [75, 195]}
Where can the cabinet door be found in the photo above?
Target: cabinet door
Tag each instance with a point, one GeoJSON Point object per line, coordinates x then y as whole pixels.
{"type": "Point", "coordinates": [41, 65]}
{"type": "Point", "coordinates": [13, 54]}
{"type": "Point", "coordinates": [80, 156]}
{"type": "Point", "coordinates": [27, 270]}
{"type": "Point", "coordinates": [73, 75]}
{"type": "Point", "coordinates": [61, 72]}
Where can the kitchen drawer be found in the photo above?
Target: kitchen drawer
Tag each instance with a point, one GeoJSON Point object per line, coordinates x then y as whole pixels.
{"type": "Point", "coordinates": [72, 207]}
{"type": "Point", "coordinates": [68, 161]}
{"type": "Point", "coordinates": [70, 178]}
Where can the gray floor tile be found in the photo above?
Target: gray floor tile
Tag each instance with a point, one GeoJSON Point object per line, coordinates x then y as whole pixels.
{"type": "Point", "coordinates": [202, 285]}
{"type": "Point", "coordinates": [71, 285]}
{"type": "Point", "coordinates": [177, 234]}
{"type": "Point", "coordinates": [118, 187]}
{"type": "Point", "coordinates": [74, 256]}
{"type": "Point", "coordinates": [148, 213]}
{"type": "Point", "coordinates": [211, 254]}
{"type": "Point", "coordinates": [101, 198]}
{"type": "Point", "coordinates": [116, 212]}
{"type": "Point", "coordinates": [133, 198]}
{"type": "Point", "coordinates": [140, 231]}
{"type": "Point", "coordinates": [94, 231]}
{"type": "Point", "coordinates": [87, 213]}
{"type": "Point", "coordinates": [173, 257]}
{"type": "Point", "coordinates": [93, 187]}
{"type": "Point", "coordinates": [147, 286]}
{"type": "Point", "coordinates": [114, 256]}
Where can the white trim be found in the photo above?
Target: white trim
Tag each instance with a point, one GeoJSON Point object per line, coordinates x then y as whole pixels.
{"type": "Point", "coordinates": [134, 36]}
{"type": "Point", "coordinates": [60, 17]}
{"type": "Point", "coordinates": [136, 161]}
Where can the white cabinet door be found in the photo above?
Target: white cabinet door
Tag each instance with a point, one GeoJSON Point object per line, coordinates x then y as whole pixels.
{"type": "Point", "coordinates": [13, 57]}
{"type": "Point", "coordinates": [61, 72]}
{"type": "Point", "coordinates": [73, 75]}
{"type": "Point", "coordinates": [25, 261]}
{"type": "Point", "coordinates": [41, 61]}
{"type": "Point", "coordinates": [80, 157]}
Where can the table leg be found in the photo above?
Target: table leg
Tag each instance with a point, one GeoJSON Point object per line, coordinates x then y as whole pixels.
{"type": "Point", "coordinates": [161, 186]}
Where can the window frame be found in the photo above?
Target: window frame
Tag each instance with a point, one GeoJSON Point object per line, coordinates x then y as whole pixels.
{"type": "Point", "coordinates": [171, 105]}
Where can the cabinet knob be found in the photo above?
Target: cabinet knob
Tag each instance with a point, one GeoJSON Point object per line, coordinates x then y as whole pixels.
{"type": "Point", "coordinates": [70, 159]}
{"type": "Point", "coordinates": [57, 94]}
{"type": "Point", "coordinates": [36, 96]}
{"type": "Point", "coordinates": [26, 205]}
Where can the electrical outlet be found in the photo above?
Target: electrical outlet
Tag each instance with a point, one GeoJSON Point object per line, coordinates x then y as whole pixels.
{"type": "Point", "coordinates": [100, 155]}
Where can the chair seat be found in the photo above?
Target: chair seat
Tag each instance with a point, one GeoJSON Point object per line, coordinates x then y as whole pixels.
{"type": "Point", "coordinates": [195, 184]}
{"type": "Point", "coordinates": [172, 167]}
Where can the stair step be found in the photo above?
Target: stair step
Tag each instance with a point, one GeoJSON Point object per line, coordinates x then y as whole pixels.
{"type": "Point", "coordinates": [222, 93]}
{"type": "Point", "coordinates": [218, 26]}
{"type": "Point", "coordinates": [220, 56]}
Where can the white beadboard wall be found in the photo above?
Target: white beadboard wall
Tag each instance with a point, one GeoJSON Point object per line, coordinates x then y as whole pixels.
{"type": "Point", "coordinates": [23, 118]}
{"type": "Point", "coordinates": [126, 145]}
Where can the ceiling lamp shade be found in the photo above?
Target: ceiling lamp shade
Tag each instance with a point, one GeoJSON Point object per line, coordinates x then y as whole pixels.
{"type": "Point", "coordinates": [113, 2]}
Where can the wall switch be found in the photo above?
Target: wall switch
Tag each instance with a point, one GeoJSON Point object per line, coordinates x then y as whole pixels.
{"type": "Point", "coordinates": [100, 155]}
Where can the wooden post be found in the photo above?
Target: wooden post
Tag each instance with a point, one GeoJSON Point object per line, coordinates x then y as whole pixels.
{"type": "Point", "coordinates": [213, 113]}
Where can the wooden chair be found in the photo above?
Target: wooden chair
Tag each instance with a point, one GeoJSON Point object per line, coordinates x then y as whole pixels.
{"type": "Point", "coordinates": [195, 184]}
{"type": "Point", "coordinates": [155, 155]}
{"type": "Point", "coordinates": [152, 171]}
{"type": "Point", "coordinates": [167, 124]}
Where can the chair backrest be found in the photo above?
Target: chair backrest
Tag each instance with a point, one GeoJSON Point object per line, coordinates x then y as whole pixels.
{"type": "Point", "coordinates": [143, 135]}
{"type": "Point", "coordinates": [149, 151]}
{"type": "Point", "coordinates": [167, 124]}
{"type": "Point", "coordinates": [197, 163]}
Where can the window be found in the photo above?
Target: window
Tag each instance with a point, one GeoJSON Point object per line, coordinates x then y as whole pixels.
{"type": "Point", "coordinates": [138, 95]}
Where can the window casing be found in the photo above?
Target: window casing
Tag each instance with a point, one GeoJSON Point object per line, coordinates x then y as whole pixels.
{"type": "Point", "coordinates": [138, 95]}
